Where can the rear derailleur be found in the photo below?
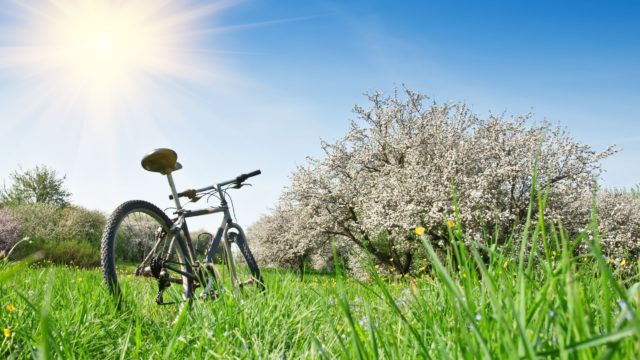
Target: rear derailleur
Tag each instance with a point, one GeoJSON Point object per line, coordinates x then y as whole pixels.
{"type": "Point", "coordinates": [159, 271]}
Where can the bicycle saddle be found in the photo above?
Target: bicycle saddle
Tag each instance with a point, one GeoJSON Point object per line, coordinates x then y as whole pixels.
{"type": "Point", "coordinates": [161, 160]}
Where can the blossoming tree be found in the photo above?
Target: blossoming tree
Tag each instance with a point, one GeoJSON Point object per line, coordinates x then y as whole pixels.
{"type": "Point", "coordinates": [397, 168]}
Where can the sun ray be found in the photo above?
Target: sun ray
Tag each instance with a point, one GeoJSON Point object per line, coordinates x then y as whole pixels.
{"type": "Point", "coordinates": [98, 58]}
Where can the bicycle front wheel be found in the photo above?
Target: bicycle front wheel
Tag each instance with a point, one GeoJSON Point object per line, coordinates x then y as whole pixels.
{"type": "Point", "coordinates": [140, 253]}
{"type": "Point", "coordinates": [245, 272]}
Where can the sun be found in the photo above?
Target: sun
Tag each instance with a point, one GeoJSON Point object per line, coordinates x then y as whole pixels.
{"type": "Point", "coordinates": [103, 53]}
{"type": "Point", "coordinates": [102, 49]}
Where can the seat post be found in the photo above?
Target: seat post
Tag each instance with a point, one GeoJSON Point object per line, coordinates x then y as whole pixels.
{"type": "Point", "coordinates": [174, 192]}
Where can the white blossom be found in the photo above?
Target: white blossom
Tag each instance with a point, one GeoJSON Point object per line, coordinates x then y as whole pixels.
{"type": "Point", "coordinates": [397, 166]}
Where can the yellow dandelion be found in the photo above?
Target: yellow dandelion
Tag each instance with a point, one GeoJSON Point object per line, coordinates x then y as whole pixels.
{"type": "Point", "coordinates": [623, 262]}
{"type": "Point", "coordinates": [10, 308]}
{"type": "Point", "coordinates": [505, 264]}
{"type": "Point", "coordinates": [420, 230]}
{"type": "Point", "coordinates": [451, 223]}
{"type": "Point", "coordinates": [6, 332]}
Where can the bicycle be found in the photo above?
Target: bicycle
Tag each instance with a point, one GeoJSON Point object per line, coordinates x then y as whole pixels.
{"type": "Point", "coordinates": [139, 234]}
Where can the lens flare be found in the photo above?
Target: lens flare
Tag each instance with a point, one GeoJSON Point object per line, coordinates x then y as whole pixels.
{"type": "Point", "coordinates": [102, 55]}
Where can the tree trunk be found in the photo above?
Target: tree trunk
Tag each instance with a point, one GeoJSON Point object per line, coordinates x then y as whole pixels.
{"type": "Point", "coordinates": [403, 267]}
{"type": "Point", "coordinates": [301, 267]}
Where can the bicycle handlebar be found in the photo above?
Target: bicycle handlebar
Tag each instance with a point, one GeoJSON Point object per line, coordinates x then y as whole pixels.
{"type": "Point", "coordinates": [244, 177]}
{"type": "Point", "coordinates": [192, 193]}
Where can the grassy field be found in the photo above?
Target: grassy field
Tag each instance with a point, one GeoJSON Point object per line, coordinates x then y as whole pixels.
{"type": "Point", "coordinates": [562, 306]}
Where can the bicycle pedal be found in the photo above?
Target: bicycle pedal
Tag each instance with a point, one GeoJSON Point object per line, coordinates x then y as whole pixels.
{"type": "Point", "coordinates": [246, 282]}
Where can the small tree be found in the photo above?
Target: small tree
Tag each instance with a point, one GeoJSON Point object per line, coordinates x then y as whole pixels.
{"type": "Point", "coordinates": [39, 185]}
{"type": "Point", "coordinates": [277, 244]}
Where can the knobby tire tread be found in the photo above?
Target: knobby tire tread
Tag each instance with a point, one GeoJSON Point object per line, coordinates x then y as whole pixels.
{"type": "Point", "coordinates": [108, 241]}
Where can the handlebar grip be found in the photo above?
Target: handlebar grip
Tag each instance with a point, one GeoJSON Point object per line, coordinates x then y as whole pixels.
{"type": "Point", "coordinates": [244, 177]}
{"type": "Point", "coordinates": [254, 173]}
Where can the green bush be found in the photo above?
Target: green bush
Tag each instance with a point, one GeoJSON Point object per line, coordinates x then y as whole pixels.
{"type": "Point", "coordinates": [73, 252]}
{"type": "Point", "coordinates": [79, 223]}
{"type": "Point", "coordinates": [65, 234]}
{"type": "Point", "coordinates": [38, 221]}
{"type": "Point", "coordinates": [53, 223]}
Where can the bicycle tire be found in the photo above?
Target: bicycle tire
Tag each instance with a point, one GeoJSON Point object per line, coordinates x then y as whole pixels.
{"type": "Point", "coordinates": [109, 239]}
{"type": "Point", "coordinates": [251, 262]}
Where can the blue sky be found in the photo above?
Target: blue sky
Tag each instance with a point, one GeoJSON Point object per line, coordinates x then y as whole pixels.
{"type": "Point", "coordinates": [289, 72]}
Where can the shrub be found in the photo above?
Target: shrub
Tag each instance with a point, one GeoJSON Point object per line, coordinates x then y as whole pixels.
{"type": "Point", "coordinates": [52, 223]}
{"type": "Point", "coordinates": [79, 223]}
{"type": "Point", "coordinates": [73, 252]}
{"type": "Point", "coordinates": [38, 221]}
{"type": "Point", "coordinates": [10, 231]}
{"type": "Point", "coordinates": [56, 230]}
{"type": "Point", "coordinates": [619, 222]}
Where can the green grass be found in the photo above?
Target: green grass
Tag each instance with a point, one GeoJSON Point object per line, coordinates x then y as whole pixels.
{"type": "Point", "coordinates": [546, 303]}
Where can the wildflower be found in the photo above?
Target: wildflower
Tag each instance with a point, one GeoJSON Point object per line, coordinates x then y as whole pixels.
{"type": "Point", "coordinates": [551, 313]}
{"type": "Point", "coordinates": [623, 263]}
{"type": "Point", "coordinates": [405, 293]}
{"type": "Point", "coordinates": [505, 264]}
{"type": "Point", "coordinates": [478, 317]}
{"type": "Point", "coordinates": [6, 332]}
{"type": "Point", "coordinates": [420, 231]}
{"type": "Point", "coordinates": [451, 223]}
{"type": "Point", "coordinates": [364, 322]}
{"type": "Point", "coordinates": [10, 308]}
{"type": "Point", "coordinates": [554, 253]}
{"type": "Point", "coordinates": [622, 304]}
{"type": "Point", "coordinates": [405, 298]}
{"type": "Point", "coordinates": [414, 286]}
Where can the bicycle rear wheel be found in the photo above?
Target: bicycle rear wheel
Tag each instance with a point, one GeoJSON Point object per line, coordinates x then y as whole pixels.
{"type": "Point", "coordinates": [139, 252]}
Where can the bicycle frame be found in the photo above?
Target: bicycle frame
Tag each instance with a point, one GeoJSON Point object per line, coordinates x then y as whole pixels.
{"type": "Point", "coordinates": [222, 233]}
